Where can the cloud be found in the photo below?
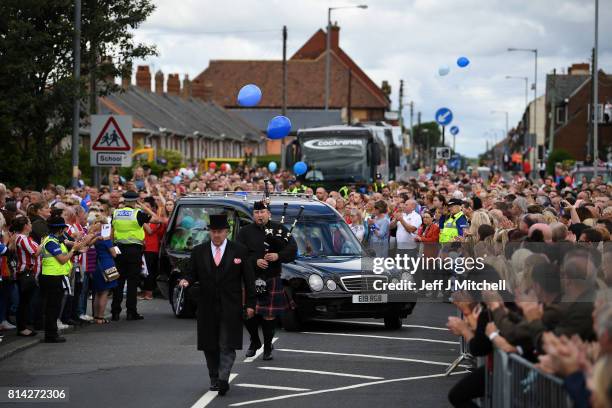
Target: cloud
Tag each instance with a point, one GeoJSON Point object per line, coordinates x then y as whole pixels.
{"type": "Point", "coordinates": [399, 39]}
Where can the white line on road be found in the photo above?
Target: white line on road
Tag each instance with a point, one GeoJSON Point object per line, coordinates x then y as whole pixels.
{"type": "Point", "coordinates": [348, 387]}
{"type": "Point", "coordinates": [257, 353]}
{"type": "Point", "coordinates": [383, 337]}
{"type": "Point", "coordinates": [411, 360]}
{"type": "Point", "coordinates": [272, 387]}
{"type": "Point", "coordinates": [209, 396]}
{"type": "Point", "coordinates": [415, 326]}
{"type": "Point", "coordinates": [299, 370]}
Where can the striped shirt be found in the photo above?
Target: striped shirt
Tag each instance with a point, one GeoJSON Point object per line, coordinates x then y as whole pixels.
{"type": "Point", "coordinates": [26, 249]}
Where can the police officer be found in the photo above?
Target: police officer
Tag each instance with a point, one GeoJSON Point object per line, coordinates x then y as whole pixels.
{"type": "Point", "coordinates": [129, 236]}
{"type": "Point", "coordinates": [55, 276]}
{"type": "Point", "coordinates": [378, 184]}
{"type": "Point", "coordinates": [268, 250]}
{"type": "Point", "coordinates": [454, 224]}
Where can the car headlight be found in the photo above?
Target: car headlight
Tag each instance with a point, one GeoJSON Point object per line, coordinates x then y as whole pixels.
{"type": "Point", "coordinates": [406, 276]}
{"type": "Point", "coordinates": [331, 285]}
{"type": "Point", "coordinates": [394, 280]}
{"type": "Point", "coordinates": [315, 282]}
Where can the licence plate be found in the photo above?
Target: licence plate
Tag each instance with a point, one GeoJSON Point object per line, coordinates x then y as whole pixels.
{"type": "Point", "coordinates": [373, 298]}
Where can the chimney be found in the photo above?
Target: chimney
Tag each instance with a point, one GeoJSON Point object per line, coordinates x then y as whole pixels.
{"type": "Point", "coordinates": [334, 40]}
{"type": "Point", "coordinates": [579, 69]}
{"type": "Point", "coordinates": [386, 88]}
{"type": "Point", "coordinates": [186, 91]}
{"type": "Point", "coordinates": [126, 78]}
{"type": "Point", "coordinates": [197, 89]}
{"type": "Point", "coordinates": [159, 82]}
{"type": "Point", "coordinates": [174, 84]}
{"type": "Point", "coordinates": [143, 78]}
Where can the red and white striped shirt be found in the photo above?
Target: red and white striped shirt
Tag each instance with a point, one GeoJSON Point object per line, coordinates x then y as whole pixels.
{"type": "Point", "coordinates": [26, 259]}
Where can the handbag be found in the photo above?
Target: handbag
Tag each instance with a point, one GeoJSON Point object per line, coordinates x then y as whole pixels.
{"type": "Point", "coordinates": [26, 280]}
{"type": "Point", "coordinates": [110, 274]}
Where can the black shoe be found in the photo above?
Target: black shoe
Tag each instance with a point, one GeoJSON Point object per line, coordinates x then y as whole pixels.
{"type": "Point", "coordinates": [267, 355]}
{"type": "Point", "coordinates": [115, 317]}
{"type": "Point", "coordinates": [223, 387]}
{"type": "Point", "coordinates": [134, 316]}
{"type": "Point", "coordinates": [57, 339]}
{"type": "Point", "coordinates": [214, 384]}
{"type": "Point", "coordinates": [252, 349]}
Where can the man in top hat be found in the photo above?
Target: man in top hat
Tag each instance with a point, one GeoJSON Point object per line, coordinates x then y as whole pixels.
{"type": "Point", "coordinates": [268, 250]}
{"type": "Point", "coordinates": [129, 235]}
{"type": "Point", "coordinates": [221, 268]}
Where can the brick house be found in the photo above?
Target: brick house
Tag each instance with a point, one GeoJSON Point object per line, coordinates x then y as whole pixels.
{"type": "Point", "coordinates": [175, 119]}
{"type": "Point", "coordinates": [570, 96]}
{"type": "Point", "coordinates": [305, 85]}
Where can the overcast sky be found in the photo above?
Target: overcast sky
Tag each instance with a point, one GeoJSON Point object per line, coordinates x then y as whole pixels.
{"type": "Point", "coordinates": [400, 39]}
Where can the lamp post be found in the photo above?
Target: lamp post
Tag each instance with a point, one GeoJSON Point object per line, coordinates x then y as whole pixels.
{"type": "Point", "coordinates": [535, 93]}
{"type": "Point", "coordinates": [506, 113]}
{"type": "Point", "coordinates": [595, 109]}
{"type": "Point", "coordinates": [328, 46]}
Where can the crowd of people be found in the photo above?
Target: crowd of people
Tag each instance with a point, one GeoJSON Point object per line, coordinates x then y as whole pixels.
{"type": "Point", "coordinates": [545, 236]}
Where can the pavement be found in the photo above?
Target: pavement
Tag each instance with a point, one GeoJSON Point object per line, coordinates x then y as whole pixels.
{"type": "Point", "coordinates": [154, 363]}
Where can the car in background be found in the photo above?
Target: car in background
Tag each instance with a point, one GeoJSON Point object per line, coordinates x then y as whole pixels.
{"type": "Point", "coordinates": [329, 279]}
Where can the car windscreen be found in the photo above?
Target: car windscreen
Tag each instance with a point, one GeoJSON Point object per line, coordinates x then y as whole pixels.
{"type": "Point", "coordinates": [324, 238]}
{"type": "Point", "coordinates": [334, 158]}
{"type": "Point", "coordinates": [190, 226]}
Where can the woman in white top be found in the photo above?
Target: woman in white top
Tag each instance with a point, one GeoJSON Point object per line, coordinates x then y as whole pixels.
{"type": "Point", "coordinates": [357, 224]}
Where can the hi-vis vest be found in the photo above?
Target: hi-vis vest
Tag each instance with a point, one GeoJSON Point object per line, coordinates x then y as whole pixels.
{"type": "Point", "coordinates": [450, 230]}
{"type": "Point", "coordinates": [301, 189]}
{"type": "Point", "coordinates": [126, 227]}
{"type": "Point", "coordinates": [344, 191]}
{"type": "Point", "coordinates": [50, 265]}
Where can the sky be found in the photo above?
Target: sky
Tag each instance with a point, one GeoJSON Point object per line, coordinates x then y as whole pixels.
{"type": "Point", "coordinates": [400, 39]}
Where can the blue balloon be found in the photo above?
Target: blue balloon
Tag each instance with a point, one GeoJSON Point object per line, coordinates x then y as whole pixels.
{"type": "Point", "coordinates": [300, 168]}
{"type": "Point", "coordinates": [249, 95]}
{"type": "Point", "coordinates": [176, 180]}
{"type": "Point", "coordinates": [463, 62]}
{"type": "Point", "coordinates": [443, 70]}
{"type": "Point", "coordinates": [279, 127]}
{"type": "Point", "coordinates": [272, 166]}
{"type": "Point", "coordinates": [187, 222]}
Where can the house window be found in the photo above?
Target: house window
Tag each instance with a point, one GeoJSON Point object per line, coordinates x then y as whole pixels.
{"type": "Point", "coordinates": [561, 116]}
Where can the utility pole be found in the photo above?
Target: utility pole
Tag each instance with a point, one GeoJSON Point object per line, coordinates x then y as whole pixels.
{"type": "Point", "coordinates": [596, 92]}
{"type": "Point", "coordinates": [553, 113]}
{"type": "Point", "coordinates": [93, 101]}
{"type": "Point", "coordinates": [284, 107]}
{"type": "Point", "coordinates": [77, 100]}
{"type": "Point", "coordinates": [412, 130]}
{"type": "Point", "coordinates": [349, 111]}
{"type": "Point", "coordinates": [401, 105]}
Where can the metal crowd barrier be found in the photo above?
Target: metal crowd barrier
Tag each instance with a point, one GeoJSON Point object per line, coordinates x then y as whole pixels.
{"type": "Point", "coordinates": [513, 382]}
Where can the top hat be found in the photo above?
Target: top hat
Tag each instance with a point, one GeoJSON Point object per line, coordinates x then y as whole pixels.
{"type": "Point", "coordinates": [218, 221]}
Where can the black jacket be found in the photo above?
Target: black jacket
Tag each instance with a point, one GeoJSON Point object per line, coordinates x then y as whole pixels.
{"type": "Point", "coordinates": [255, 239]}
{"type": "Point", "coordinates": [220, 295]}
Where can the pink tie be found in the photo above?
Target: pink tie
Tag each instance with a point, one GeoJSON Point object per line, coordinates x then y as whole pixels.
{"type": "Point", "coordinates": [217, 255]}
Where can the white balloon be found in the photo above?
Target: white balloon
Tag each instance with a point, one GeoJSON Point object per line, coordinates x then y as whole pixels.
{"type": "Point", "coordinates": [443, 70]}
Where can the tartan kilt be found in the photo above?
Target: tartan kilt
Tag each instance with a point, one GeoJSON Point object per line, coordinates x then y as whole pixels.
{"type": "Point", "coordinates": [274, 303]}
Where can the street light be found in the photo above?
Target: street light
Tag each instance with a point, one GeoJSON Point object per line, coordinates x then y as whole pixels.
{"type": "Point", "coordinates": [526, 79]}
{"type": "Point", "coordinates": [535, 92]}
{"type": "Point", "coordinates": [328, 46]}
{"type": "Point", "coordinates": [506, 113]}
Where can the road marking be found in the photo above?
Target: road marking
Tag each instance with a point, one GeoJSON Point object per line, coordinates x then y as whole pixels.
{"type": "Point", "coordinates": [348, 387]}
{"type": "Point", "coordinates": [257, 353]}
{"type": "Point", "coordinates": [415, 326]}
{"type": "Point", "coordinates": [299, 370]}
{"type": "Point", "coordinates": [383, 337]}
{"type": "Point", "coordinates": [411, 360]}
{"type": "Point", "coordinates": [272, 387]}
{"type": "Point", "coordinates": [210, 395]}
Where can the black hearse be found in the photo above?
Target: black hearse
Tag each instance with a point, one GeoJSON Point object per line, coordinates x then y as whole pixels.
{"type": "Point", "coordinates": [327, 280]}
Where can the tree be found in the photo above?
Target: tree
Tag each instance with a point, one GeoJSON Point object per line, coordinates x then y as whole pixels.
{"type": "Point", "coordinates": [427, 134]}
{"type": "Point", "coordinates": [37, 88]}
